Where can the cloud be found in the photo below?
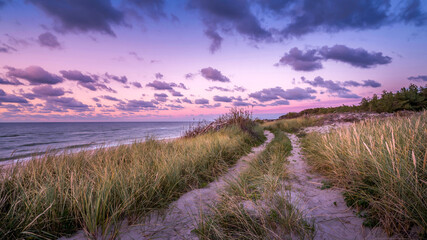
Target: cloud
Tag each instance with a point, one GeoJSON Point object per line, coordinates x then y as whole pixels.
{"type": "Point", "coordinates": [241, 104]}
{"type": "Point", "coordinates": [49, 40]}
{"type": "Point", "coordinates": [239, 89]}
{"type": "Point", "coordinates": [215, 38]}
{"type": "Point", "coordinates": [13, 82]}
{"type": "Point", "coordinates": [418, 78]}
{"type": "Point", "coordinates": [153, 8]}
{"type": "Point", "coordinates": [63, 104]}
{"type": "Point", "coordinates": [158, 76]}
{"type": "Point", "coordinates": [299, 61]}
{"type": "Point", "coordinates": [107, 97]}
{"type": "Point", "coordinates": [10, 98]}
{"type": "Point", "coordinates": [82, 15]}
{"type": "Point", "coordinates": [136, 84]}
{"type": "Point", "coordinates": [365, 83]}
{"type": "Point", "coordinates": [308, 16]}
{"type": "Point", "coordinates": [214, 75]}
{"type": "Point", "coordinates": [35, 75]}
{"type": "Point", "coordinates": [235, 15]}
{"type": "Point", "coordinates": [136, 56]}
{"type": "Point", "coordinates": [122, 79]}
{"type": "Point", "coordinates": [186, 100]}
{"type": "Point", "coordinates": [190, 75]}
{"type": "Point", "coordinates": [222, 99]}
{"type": "Point", "coordinates": [219, 89]}
{"type": "Point", "coordinates": [332, 87]}
{"type": "Point", "coordinates": [4, 48]}
{"type": "Point", "coordinates": [161, 97]}
{"type": "Point", "coordinates": [357, 57]}
{"type": "Point", "coordinates": [136, 106]}
{"type": "Point", "coordinates": [174, 106]}
{"type": "Point", "coordinates": [280, 103]}
{"type": "Point", "coordinates": [412, 13]}
{"type": "Point", "coordinates": [312, 59]}
{"type": "Point", "coordinates": [176, 93]}
{"type": "Point", "coordinates": [90, 82]}
{"type": "Point", "coordinates": [95, 99]}
{"type": "Point", "coordinates": [201, 101]}
{"type": "Point", "coordinates": [160, 85]}
{"type": "Point", "coordinates": [269, 94]}
{"type": "Point", "coordinates": [48, 91]}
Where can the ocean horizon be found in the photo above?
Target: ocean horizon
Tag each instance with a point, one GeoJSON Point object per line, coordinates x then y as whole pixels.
{"type": "Point", "coordinates": [22, 140]}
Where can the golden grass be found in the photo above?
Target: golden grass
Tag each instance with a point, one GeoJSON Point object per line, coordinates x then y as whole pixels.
{"type": "Point", "coordinates": [382, 165]}
{"type": "Point", "coordinates": [55, 195]}
{"type": "Point", "coordinates": [293, 125]}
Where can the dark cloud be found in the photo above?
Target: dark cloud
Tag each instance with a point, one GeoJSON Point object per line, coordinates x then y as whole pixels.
{"type": "Point", "coordinates": [13, 82]}
{"type": "Point", "coordinates": [241, 104]}
{"type": "Point", "coordinates": [176, 93]}
{"type": "Point", "coordinates": [412, 13]}
{"type": "Point", "coordinates": [235, 15]}
{"type": "Point", "coordinates": [332, 87]}
{"type": "Point", "coordinates": [215, 38]}
{"type": "Point", "coordinates": [49, 40]}
{"type": "Point", "coordinates": [222, 99]}
{"type": "Point", "coordinates": [280, 103]}
{"type": "Point", "coordinates": [214, 75]}
{"type": "Point", "coordinates": [418, 78]}
{"type": "Point", "coordinates": [35, 75]}
{"type": "Point", "coordinates": [201, 101]}
{"type": "Point", "coordinates": [136, 106]}
{"type": "Point", "coordinates": [90, 82]}
{"type": "Point", "coordinates": [4, 48]}
{"type": "Point", "coordinates": [308, 16]}
{"type": "Point", "coordinates": [312, 58]}
{"type": "Point", "coordinates": [160, 85]}
{"type": "Point", "coordinates": [48, 91]}
{"type": "Point", "coordinates": [10, 98]}
{"type": "Point", "coordinates": [357, 57]}
{"type": "Point", "coordinates": [122, 79]}
{"type": "Point", "coordinates": [189, 76]}
{"type": "Point", "coordinates": [299, 61]}
{"type": "Point", "coordinates": [174, 106]}
{"type": "Point", "coordinates": [136, 84]}
{"type": "Point", "coordinates": [365, 83]}
{"type": "Point", "coordinates": [211, 106]}
{"type": "Point", "coordinates": [82, 15]}
{"type": "Point", "coordinates": [219, 89]}
{"type": "Point", "coordinates": [161, 97]}
{"type": "Point", "coordinates": [158, 76]}
{"type": "Point", "coordinates": [239, 89]}
{"type": "Point", "coordinates": [63, 104]}
{"type": "Point", "coordinates": [154, 8]}
{"type": "Point", "coordinates": [95, 99]}
{"type": "Point", "coordinates": [276, 93]}
{"type": "Point", "coordinates": [107, 97]}
{"type": "Point", "coordinates": [186, 100]}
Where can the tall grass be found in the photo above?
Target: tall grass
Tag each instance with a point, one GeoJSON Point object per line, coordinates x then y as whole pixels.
{"type": "Point", "coordinates": [382, 165]}
{"type": "Point", "coordinates": [293, 125]}
{"type": "Point", "coordinates": [55, 195]}
{"type": "Point", "coordinates": [256, 205]}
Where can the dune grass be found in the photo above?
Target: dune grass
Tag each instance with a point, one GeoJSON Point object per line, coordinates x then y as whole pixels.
{"type": "Point", "coordinates": [293, 125]}
{"type": "Point", "coordinates": [256, 205]}
{"type": "Point", "coordinates": [56, 195]}
{"type": "Point", "coordinates": [382, 165]}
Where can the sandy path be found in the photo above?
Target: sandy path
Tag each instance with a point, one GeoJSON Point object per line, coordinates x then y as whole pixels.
{"type": "Point", "coordinates": [182, 216]}
{"type": "Point", "coordinates": [333, 219]}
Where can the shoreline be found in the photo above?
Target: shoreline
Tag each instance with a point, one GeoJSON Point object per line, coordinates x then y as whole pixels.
{"type": "Point", "coordinates": [10, 163]}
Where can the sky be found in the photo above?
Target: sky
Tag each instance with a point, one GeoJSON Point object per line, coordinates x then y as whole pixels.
{"type": "Point", "coordinates": [180, 60]}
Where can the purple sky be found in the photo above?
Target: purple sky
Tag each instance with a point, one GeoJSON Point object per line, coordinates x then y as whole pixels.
{"type": "Point", "coordinates": [145, 60]}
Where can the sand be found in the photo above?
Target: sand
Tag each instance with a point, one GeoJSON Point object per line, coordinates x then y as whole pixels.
{"type": "Point", "coordinates": [183, 215]}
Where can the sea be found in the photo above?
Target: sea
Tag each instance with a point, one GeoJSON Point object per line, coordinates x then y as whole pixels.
{"type": "Point", "coordinates": [24, 140]}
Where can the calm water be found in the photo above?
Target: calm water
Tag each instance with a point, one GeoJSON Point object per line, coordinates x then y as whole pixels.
{"type": "Point", "coordinates": [21, 140]}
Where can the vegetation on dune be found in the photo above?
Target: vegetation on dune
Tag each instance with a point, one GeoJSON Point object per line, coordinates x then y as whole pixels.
{"type": "Point", "coordinates": [292, 125]}
{"type": "Point", "coordinates": [55, 195]}
{"type": "Point", "coordinates": [255, 205]}
{"type": "Point", "coordinates": [412, 98]}
{"type": "Point", "coordinates": [382, 165]}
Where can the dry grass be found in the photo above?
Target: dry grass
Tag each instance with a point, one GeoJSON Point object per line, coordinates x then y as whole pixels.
{"type": "Point", "coordinates": [382, 165]}
{"type": "Point", "coordinates": [55, 195]}
{"type": "Point", "coordinates": [256, 205]}
{"type": "Point", "coordinates": [293, 125]}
